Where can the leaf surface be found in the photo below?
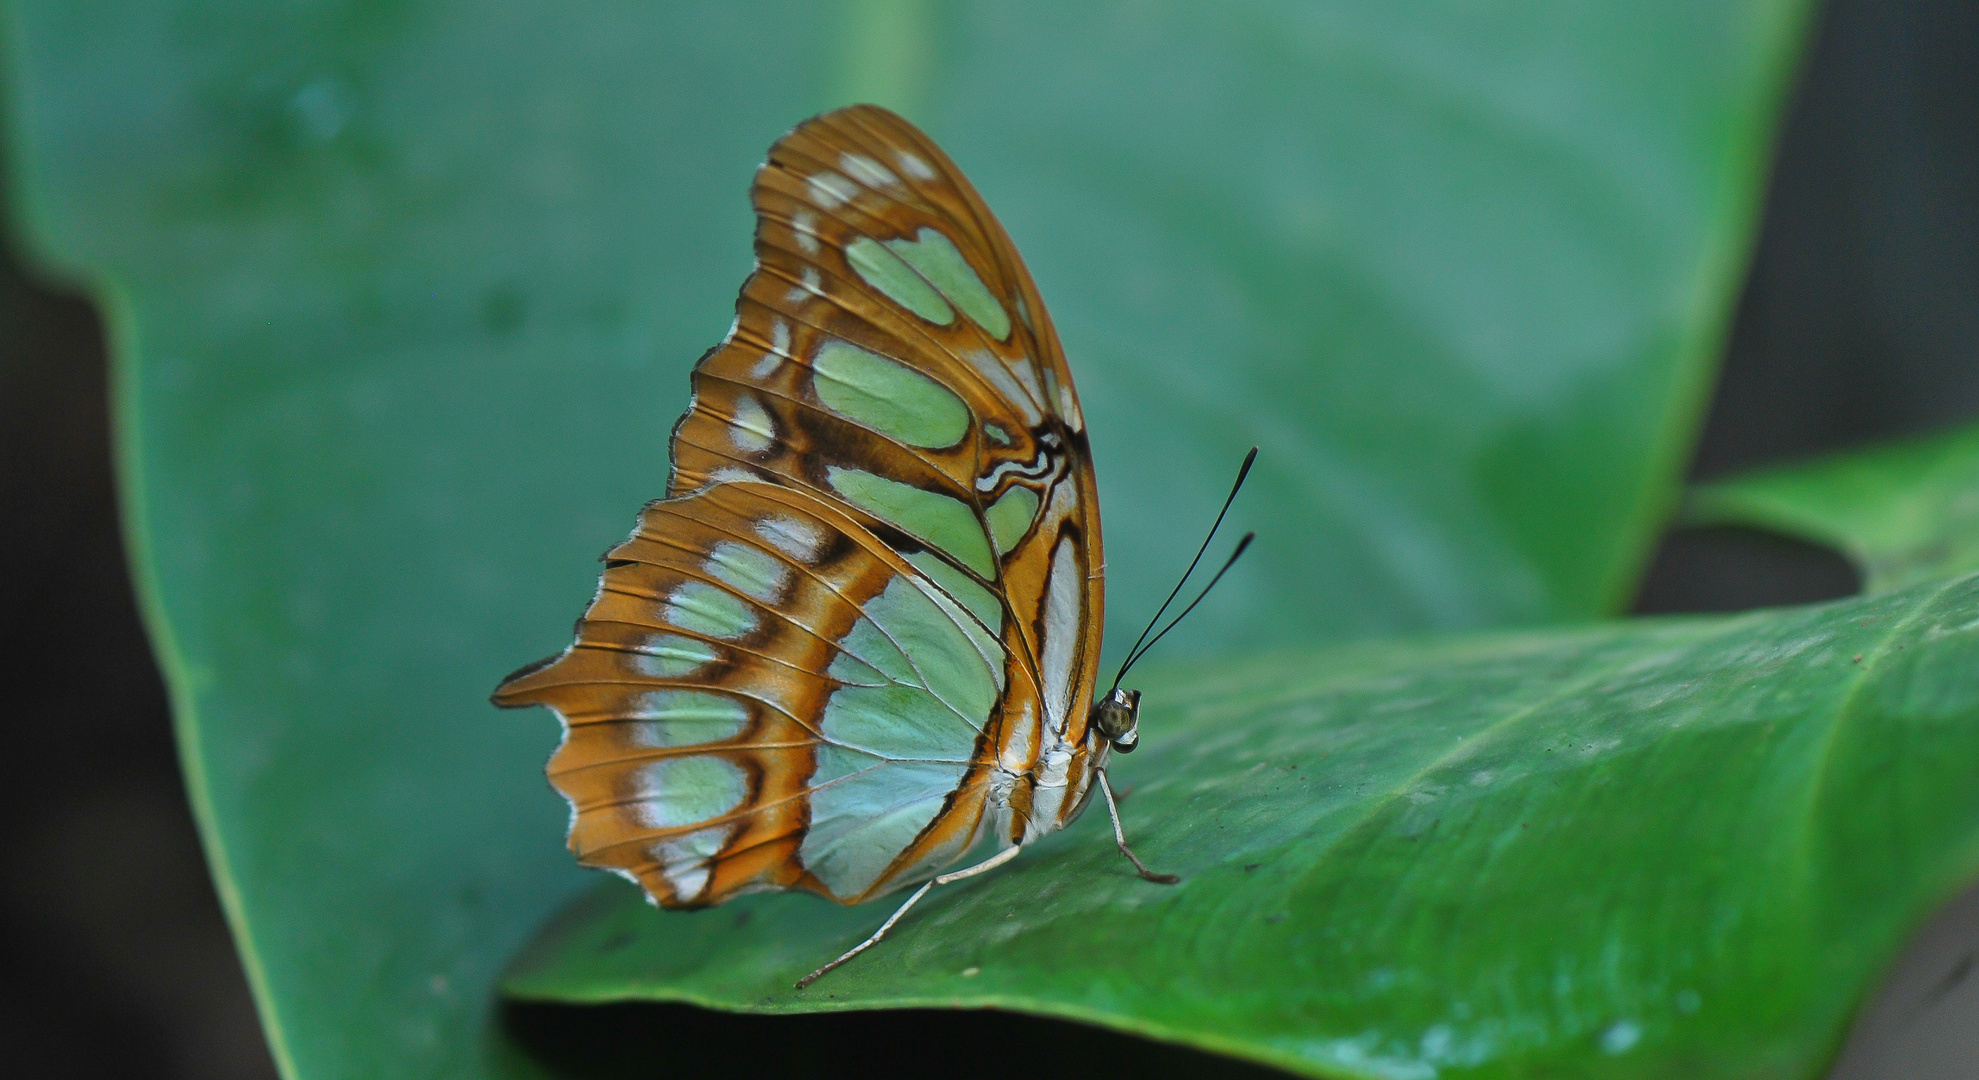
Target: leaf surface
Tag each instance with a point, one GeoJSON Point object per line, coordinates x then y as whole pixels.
{"type": "Point", "coordinates": [1679, 847]}
{"type": "Point", "coordinates": [1904, 513]}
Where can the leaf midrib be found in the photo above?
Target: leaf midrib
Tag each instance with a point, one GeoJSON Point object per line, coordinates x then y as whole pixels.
{"type": "Point", "coordinates": [1846, 709]}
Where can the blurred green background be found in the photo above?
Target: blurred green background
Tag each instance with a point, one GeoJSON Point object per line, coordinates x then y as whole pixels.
{"type": "Point", "coordinates": [274, 137]}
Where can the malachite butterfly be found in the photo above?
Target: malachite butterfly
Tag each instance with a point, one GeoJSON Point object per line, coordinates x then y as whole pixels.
{"type": "Point", "coordinates": [858, 640]}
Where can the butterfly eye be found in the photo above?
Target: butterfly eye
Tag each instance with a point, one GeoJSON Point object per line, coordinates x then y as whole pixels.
{"type": "Point", "coordinates": [1118, 717]}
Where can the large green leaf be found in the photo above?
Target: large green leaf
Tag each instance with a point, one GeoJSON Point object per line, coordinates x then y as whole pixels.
{"type": "Point", "coordinates": [404, 296]}
{"type": "Point", "coordinates": [1904, 513]}
{"type": "Point", "coordinates": [1673, 848]}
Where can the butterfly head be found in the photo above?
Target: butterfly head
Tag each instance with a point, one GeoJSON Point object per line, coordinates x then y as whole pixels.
{"type": "Point", "coordinates": [1118, 717]}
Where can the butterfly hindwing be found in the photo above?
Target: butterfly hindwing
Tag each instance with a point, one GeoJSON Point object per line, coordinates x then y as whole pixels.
{"type": "Point", "coordinates": [745, 710]}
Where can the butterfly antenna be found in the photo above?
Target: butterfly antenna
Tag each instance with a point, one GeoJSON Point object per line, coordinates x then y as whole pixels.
{"type": "Point", "coordinates": [1227, 564]}
{"type": "Point", "coordinates": [1242, 472]}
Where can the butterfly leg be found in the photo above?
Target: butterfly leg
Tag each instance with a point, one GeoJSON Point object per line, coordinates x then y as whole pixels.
{"type": "Point", "coordinates": [985, 866]}
{"type": "Point", "coordinates": [1120, 838]}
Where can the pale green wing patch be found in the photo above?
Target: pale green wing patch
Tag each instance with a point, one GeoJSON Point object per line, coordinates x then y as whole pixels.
{"type": "Point", "coordinates": [669, 656]}
{"type": "Point", "coordinates": [751, 428]}
{"type": "Point", "coordinates": [1010, 518]}
{"type": "Point", "coordinates": [937, 520]}
{"type": "Point", "coordinates": [889, 398]}
{"type": "Point", "coordinates": [867, 813]}
{"type": "Point", "coordinates": [672, 792]}
{"type": "Point", "coordinates": [897, 721]}
{"type": "Point", "coordinates": [933, 653]}
{"type": "Point", "coordinates": [935, 257]}
{"type": "Point", "coordinates": [750, 570]}
{"type": "Point", "coordinates": [883, 270]}
{"type": "Point", "coordinates": [700, 608]}
{"type": "Point", "coordinates": [664, 719]}
{"type": "Point", "coordinates": [977, 600]}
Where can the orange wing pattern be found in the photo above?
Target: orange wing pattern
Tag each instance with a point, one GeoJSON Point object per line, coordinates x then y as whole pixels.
{"type": "Point", "coordinates": [860, 635]}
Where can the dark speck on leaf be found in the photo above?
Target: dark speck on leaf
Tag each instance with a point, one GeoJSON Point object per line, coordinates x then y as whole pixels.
{"type": "Point", "coordinates": [1250, 866]}
{"type": "Point", "coordinates": [742, 917]}
{"type": "Point", "coordinates": [617, 941]}
{"type": "Point", "coordinates": [1278, 918]}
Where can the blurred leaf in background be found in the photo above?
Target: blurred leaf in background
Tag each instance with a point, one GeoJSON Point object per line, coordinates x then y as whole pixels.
{"type": "Point", "coordinates": [1904, 513]}
{"type": "Point", "coordinates": [405, 295]}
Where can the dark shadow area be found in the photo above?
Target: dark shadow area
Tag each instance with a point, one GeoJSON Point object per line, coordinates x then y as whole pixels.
{"type": "Point", "coordinates": [680, 1042]}
{"type": "Point", "coordinates": [116, 959]}
{"type": "Point", "coordinates": [1741, 569]}
{"type": "Point", "coordinates": [1860, 321]}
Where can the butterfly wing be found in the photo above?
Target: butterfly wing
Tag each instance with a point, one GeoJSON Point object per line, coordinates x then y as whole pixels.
{"type": "Point", "coordinates": [762, 694]}
{"type": "Point", "coordinates": [892, 386]}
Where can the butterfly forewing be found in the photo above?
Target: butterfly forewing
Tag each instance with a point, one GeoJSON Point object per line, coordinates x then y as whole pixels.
{"type": "Point", "coordinates": [746, 710]}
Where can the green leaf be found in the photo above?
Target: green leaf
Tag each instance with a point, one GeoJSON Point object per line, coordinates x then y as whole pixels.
{"type": "Point", "coordinates": [1670, 848]}
{"type": "Point", "coordinates": [1904, 513]}
{"type": "Point", "coordinates": [403, 299]}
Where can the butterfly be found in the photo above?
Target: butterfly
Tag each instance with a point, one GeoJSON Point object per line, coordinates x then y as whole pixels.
{"type": "Point", "coordinates": [858, 640]}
